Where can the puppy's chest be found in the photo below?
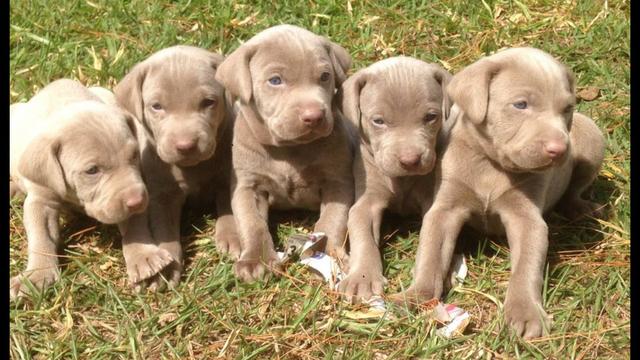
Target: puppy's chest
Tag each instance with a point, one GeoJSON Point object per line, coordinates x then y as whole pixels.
{"type": "Point", "coordinates": [410, 196]}
{"type": "Point", "coordinates": [168, 178]}
{"type": "Point", "coordinates": [489, 192]}
{"type": "Point", "coordinates": [293, 184]}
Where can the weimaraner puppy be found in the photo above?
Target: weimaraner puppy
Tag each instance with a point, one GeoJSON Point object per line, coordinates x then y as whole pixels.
{"type": "Point", "coordinates": [185, 123]}
{"type": "Point", "coordinates": [398, 106]}
{"type": "Point", "coordinates": [516, 149]}
{"type": "Point", "coordinates": [70, 150]}
{"type": "Point", "coordinates": [290, 150]}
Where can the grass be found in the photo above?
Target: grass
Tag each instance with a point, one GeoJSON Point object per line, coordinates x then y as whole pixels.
{"type": "Point", "coordinates": [92, 313]}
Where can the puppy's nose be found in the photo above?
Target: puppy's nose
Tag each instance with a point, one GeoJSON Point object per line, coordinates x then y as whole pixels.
{"type": "Point", "coordinates": [555, 149]}
{"type": "Point", "coordinates": [409, 161]}
{"type": "Point", "coordinates": [185, 145]}
{"type": "Point", "coordinates": [136, 201]}
{"type": "Point", "coordinates": [312, 117]}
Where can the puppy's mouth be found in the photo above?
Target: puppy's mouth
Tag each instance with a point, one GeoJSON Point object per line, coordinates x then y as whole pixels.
{"type": "Point", "coordinates": [512, 166]}
{"type": "Point", "coordinates": [107, 218]}
{"type": "Point", "coordinates": [298, 135]}
{"type": "Point", "coordinates": [189, 161]}
{"type": "Point", "coordinates": [307, 137]}
{"type": "Point", "coordinates": [186, 160]}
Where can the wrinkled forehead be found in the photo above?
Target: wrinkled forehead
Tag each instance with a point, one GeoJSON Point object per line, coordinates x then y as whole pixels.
{"type": "Point", "coordinates": [180, 75]}
{"type": "Point", "coordinates": [537, 72]}
{"type": "Point", "coordinates": [403, 89]}
{"type": "Point", "coordinates": [93, 138]}
{"type": "Point", "coordinates": [290, 50]}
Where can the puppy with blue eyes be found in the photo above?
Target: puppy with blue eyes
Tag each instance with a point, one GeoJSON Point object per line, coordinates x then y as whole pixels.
{"type": "Point", "coordinates": [398, 106]}
{"type": "Point", "coordinates": [516, 150]}
{"type": "Point", "coordinates": [290, 150]}
{"type": "Point", "coordinates": [72, 148]}
{"type": "Point", "coordinates": [185, 121]}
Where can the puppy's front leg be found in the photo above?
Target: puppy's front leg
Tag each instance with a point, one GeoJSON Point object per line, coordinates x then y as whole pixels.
{"type": "Point", "coordinates": [527, 234]}
{"type": "Point", "coordinates": [251, 210]}
{"type": "Point", "coordinates": [43, 236]}
{"type": "Point", "coordinates": [226, 236]}
{"type": "Point", "coordinates": [164, 220]}
{"type": "Point", "coordinates": [440, 228]}
{"type": "Point", "coordinates": [337, 198]}
{"type": "Point", "coordinates": [142, 255]}
{"type": "Point", "coordinates": [365, 265]}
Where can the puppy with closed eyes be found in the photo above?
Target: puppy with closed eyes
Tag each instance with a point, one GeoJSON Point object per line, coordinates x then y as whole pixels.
{"type": "Point", "coordinates": [398, 106]}
{"type": "Point", "coordinates": [290, 150]}
{"type": "Point", "coordinates": [515, 151]}
{"type": "Point", "coordinates": [185, 124]}
{"type": "Point", "coordinates": [71, 148]}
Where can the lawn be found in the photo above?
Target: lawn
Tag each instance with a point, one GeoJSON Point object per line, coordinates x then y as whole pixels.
{"type": "Point", "coordinates": [93, 313]}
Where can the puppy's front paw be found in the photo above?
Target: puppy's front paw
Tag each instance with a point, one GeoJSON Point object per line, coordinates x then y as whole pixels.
{"type": "Point", "coordinates": [413, 296]}
{"type": "Point", "coordinates": [228, 242]}
{"type": "Point", "coordinates": [169, 277]}
{"type": "Point", "coordinates": [39, 279]}
{"type": "Point", "coordinates": [578, 208]}
{"type": "Point", "coordinates": [145, 260]}
{"type": "Point", "coordinates": [249, 268]}
{"type": "Point", "coordinates": [526, 316]}
{"type": "Point", "coordinates": [361, 284]}
{"type": "Point", "coordinates": [341, 256]}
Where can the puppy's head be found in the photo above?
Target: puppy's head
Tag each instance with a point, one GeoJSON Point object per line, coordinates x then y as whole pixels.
{"type": "Point", "coordinates": [175, 96]}
{"type": "Point", "coordinates": [285, 78]}
{"type": "Point", "coordinates": [398, 105]}
{"type": "Point", "coordinates": [90, 159]}
{"type": "Point", "coordinates": [521, 102]}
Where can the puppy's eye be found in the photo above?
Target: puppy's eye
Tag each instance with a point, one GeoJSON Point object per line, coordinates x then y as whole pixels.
{"type": "Point", "coordinates": [378, 121]}
{"type": "Point", "coordinates": [92, 170]}
{"type": "Point", "coordinates": [325, 76]}
{"type": "Point", "coordinates": [275, 80]}
{"type": "Point", "coordinates": [156, 106]}
{"type": "Point", "coordinates": [208, 103]}
{"type": "Point", "coordinates": [521, 105]}
{"type": "Point", "coordinates": [430, 117]}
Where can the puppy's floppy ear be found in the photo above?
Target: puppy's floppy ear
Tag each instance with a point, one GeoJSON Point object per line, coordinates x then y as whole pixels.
{"type": "Point", "coordinates": [443, 77]}
{"type": "Point", "coordinates": [340, 60]}
{"type": "Point", "coordinates": [350, 97]}
{"type": "Point", "coordinates": [234, 73]}
{"type": "Point", "coordinates": [40, 164]}
{"type": "Point", "coordinates": [130, 120]}
{"type": "Point", "coordinates": [128, 92]}
{"type": "Point", "coordinates": [470, 88]}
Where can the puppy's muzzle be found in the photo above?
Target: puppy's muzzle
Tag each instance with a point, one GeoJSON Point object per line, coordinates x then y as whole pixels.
{"type": "Point", "coordinates": [410, 161]}
{"type": "Point", "coordinates": [554, 149]}
{"type": "Point", "coordinates": [186, 146]}
{"type": "Point", "coordinates": [312, 117]}
{"type": "Point", "coordinates": [135, 200]}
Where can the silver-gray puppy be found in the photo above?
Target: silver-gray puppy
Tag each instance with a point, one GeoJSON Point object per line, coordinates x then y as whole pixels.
{"type": "Point", "coordinates": [71, 151]}
{"type": "Point", "coordinates": [516, 150]}
{"type": "Point", "coordinates": [185, 123]}
{"type": "Point", "coordinates": [398, 106]}
{"type": "Point", "coordinates": [289, 148]}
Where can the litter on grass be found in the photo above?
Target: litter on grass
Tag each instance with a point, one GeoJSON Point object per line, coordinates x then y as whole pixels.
{"type": "Point", "coordinates": [306, 247]}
